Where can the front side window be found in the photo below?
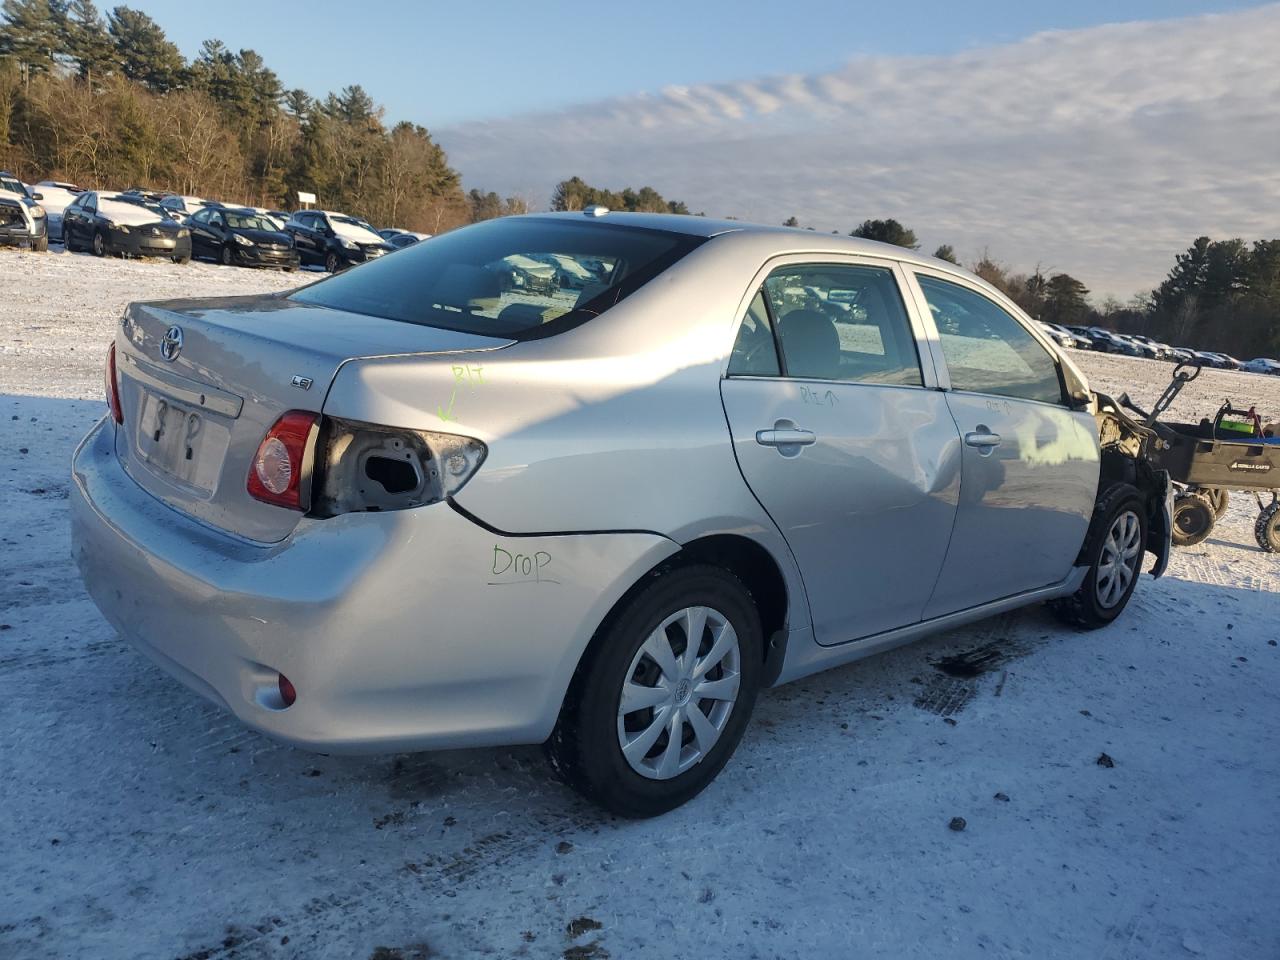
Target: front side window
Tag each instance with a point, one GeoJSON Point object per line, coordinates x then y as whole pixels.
{"type": "Point", "coordinates": [986, 349]}
{"type": "Point", "coordinates": [200, 216]}
{"type": "Point", "coordinates": [835, 322]}
{"type": "Point", "coordinates": [503, 277]}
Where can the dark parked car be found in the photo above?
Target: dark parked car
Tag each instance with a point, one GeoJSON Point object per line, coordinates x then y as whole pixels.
{"type": "Point", "coordinates": [242, 237]}
{"type": "Point", "coordinates": [334, 241]}
{"type": "Point", "coordinates": [130, 225]}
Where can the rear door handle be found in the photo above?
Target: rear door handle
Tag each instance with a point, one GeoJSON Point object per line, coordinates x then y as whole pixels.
{"type": "Point", "coordinates": [984, 440]}
{"type": "Point", "coordinates": [788, 437]}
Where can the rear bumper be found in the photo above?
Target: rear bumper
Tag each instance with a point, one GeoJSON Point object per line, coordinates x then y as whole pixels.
{"type": "Point", "coordinates": [394, 627]}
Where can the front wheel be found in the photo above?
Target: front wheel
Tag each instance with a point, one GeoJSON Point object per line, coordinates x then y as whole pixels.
{"type": "Point", "coordinates": [332, 263]}
{"type": "Point", "coordinates": [663, 695]}
{"type": "Point", "coordinates": [41, 245]}
{"type": "Point", "coordinates": [225, 257]}
{"type": "Point", "coordinates": [99, 244]}
{"type": "Point", "coordinates": [1117, 539]}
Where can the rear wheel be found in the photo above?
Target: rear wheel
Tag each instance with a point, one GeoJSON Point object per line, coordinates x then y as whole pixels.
{"type": "Point", "coordinates": [99, 244]}
{"type": "Point", "coordinates": [1117, 539]}
{"type": "Point", "coordinates": [1267, 529]}
{"type": "Point", "coordinates": [1193, 519]}
{"type": "Point", "coordinates": [663, 695]}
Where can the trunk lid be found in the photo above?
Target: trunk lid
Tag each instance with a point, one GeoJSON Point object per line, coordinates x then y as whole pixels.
{"type": "Point", "coordinates": [198, 402]}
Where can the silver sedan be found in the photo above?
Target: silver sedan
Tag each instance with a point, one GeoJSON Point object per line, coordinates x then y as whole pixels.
{"type": "Point", "coordinates": [592, 480]}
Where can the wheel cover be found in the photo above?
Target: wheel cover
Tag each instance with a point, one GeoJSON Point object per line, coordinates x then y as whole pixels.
{"type": "Point", "coordinates": [678, 693]}
{"type": "Point", "coordinates": [1118, 563]}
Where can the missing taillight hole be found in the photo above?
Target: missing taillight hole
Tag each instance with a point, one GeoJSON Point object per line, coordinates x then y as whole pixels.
{"type": "Point", "coordinates": [395, 476]}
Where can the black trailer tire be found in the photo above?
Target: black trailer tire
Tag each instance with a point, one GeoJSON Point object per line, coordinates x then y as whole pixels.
{"type": "Point", "coordinates": [585, 749]}
{"type": "Point", "coordinates": [1193, 519]}
{"type": "Point", "coordinates": [1219, 497]}
{"type": "Point", "coordinates": [1111, 536]}
{"type": "Point", "coordinates": [1267, 529]}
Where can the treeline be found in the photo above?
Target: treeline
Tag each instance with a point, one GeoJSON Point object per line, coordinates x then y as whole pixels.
{"type": "Point", "coordinates": [111, 102]}
{"type": "Point", "coordinates": [574, 194]}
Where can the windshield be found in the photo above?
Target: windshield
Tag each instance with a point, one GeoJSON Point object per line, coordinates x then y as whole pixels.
{"type": "Point", "coordinates": [248, 221]}
{"type": "Point", "coordinates": [519, 278]}
{"type": "Point", "coordinates": [12, 185]}
{"type": "Point", "coordinates": [138, 201]}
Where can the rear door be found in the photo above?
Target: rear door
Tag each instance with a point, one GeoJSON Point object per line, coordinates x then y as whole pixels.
{"type": "Point", "coordinates": [842, 436]}
{"type": "Point", "coordinates": [1030, 463]}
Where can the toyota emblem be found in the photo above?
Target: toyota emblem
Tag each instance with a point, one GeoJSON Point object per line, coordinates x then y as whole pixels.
{"type": "Point", "coordinates": [171, 345]}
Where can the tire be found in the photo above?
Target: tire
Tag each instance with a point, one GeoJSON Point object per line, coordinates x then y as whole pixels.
{"type": "Point", "coordinates": [99, 248]}
{"type": "Point", "coordinates": [1267, 528]}
{"type": "Point", "coordinates": [332, 263]}
{"type": "Point", "coordinates": [69, 243]}
{"type": "Point", "coordinates": [225, 257]}
{"type": "Point", "coordinates": [41, 245]}
{"type": "Point", "coordinates": [586, 747]}
{"type": "Point", "coordinates": [1114, 547]}
{"type": "Point", "coordinates": [179, 259]}
{"type": "Point", "coordinates": [287, 269]}
{"type": "Point", "coordinates": [1219, 499]}
{"type": "Point", "coordinates": [1193, 519]}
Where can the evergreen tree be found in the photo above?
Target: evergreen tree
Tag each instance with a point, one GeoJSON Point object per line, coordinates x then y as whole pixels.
{"type": "Point", "coordinates": [30, 35]}
{"type": "Point", "coordinates": [85, 41]}
{"type": "Point", "coordinates": [886, 231]}
{"type": "Point", "coordinates": [144, 52]}
{"type": "Point", "coordinates": [1065, 299]}
{"type": "Point", "coordinates": [946, 252]}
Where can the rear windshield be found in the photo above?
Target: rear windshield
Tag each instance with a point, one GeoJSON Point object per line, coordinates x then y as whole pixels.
{"type": "Point", "coordinates": [518, 278]}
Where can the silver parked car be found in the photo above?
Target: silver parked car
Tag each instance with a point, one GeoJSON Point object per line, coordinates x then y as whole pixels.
{"type": "Point", "coordinates": [416, 506]}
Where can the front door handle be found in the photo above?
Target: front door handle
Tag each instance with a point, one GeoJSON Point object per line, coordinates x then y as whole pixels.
{"type": "Point", "coordinates": [983, 439]}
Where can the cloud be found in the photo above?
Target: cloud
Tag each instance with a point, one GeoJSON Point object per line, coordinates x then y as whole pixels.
{"type": "Point", "coordinates": [1101, 152]}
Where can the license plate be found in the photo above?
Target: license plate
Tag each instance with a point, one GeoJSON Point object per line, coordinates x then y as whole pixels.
{"type": "Point", "coordinates": [184, 443]}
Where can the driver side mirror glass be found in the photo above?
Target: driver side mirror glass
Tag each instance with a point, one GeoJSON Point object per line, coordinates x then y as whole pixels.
{"type": "Point", "coordinates": [37, 196]}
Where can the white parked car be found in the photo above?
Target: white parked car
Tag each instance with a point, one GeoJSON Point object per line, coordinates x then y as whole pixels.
{"type": "Point", "coordinates": [56, 196]}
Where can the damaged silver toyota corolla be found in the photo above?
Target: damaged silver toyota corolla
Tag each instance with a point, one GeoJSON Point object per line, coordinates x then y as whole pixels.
{"type": "Point", "coordinates": [593, 480]}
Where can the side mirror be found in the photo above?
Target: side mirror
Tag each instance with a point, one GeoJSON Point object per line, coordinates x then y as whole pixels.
{"type": "Point", "coordinates": [37, 196]}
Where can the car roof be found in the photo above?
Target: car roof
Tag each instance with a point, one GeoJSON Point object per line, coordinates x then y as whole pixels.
{"type": "Point", "coordinates": [788, 239]}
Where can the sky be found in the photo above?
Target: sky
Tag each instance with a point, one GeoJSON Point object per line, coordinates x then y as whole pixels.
{"type": "Point", "coordinates": [1098, 138]}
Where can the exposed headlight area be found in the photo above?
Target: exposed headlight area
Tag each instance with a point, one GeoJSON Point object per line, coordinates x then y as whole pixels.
{"type": "Point", "coordinates": [363, 467]}
{"type": "Point", "coordinates": [348, 244]}
{"type": "Point", "coordinates": [242, 240]}
{"type": "Point", "coordinates": [119, 227]}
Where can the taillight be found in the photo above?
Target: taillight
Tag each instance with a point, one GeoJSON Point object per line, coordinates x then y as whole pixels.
{"type": "Point", "coordinates": [369, 467]}
{"type": "Point", "coordinates": [112, 386]}
{"type": "Point", "coordinates": [281, 470]}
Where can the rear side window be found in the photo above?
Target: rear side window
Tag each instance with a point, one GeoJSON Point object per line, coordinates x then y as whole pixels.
{"type": "Point", "coordinates": [519, 278]}
{"type": "Point", "coordinates": [833, 322]}
{"type": "Point", "coordinates": [986, 349]}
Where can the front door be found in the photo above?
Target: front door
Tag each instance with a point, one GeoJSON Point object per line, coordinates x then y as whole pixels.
{"type": "Point", "coordinates": [840, 440]}
{"type": "Point", "coordinates": [1030, 464]}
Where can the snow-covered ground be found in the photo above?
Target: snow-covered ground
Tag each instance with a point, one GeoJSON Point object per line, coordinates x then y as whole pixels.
{"type": "Point", "coordinates": [137, 821]}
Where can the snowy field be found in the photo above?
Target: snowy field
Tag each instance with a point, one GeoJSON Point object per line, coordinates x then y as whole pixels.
{"type": "Point", "coordinates": [137, 821]}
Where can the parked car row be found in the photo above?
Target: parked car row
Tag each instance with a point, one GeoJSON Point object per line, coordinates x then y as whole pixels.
{"type": "Point", "coordinates": [1138, 345]}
